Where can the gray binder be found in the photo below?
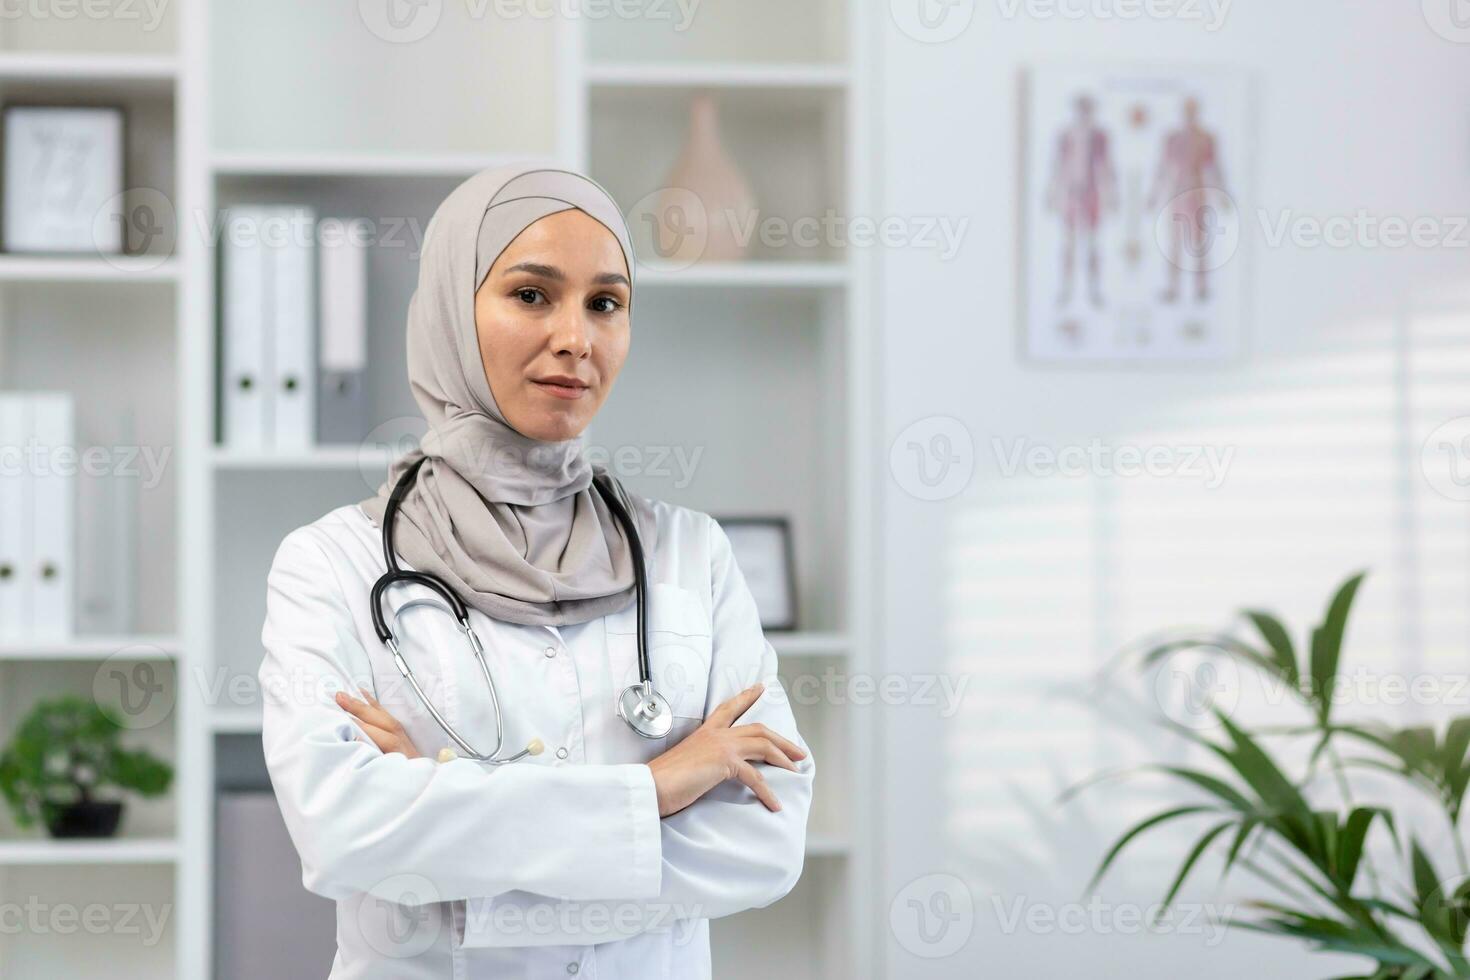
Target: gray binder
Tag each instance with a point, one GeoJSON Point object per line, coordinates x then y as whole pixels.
{"type": "Point", "coordinates": [266, 923]}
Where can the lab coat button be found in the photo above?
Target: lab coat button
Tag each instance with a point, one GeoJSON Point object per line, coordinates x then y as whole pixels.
{"type": "Point", "coordinates": [573, 968]}
{"type": "Point", "coordinates": [551, 651]}
{"type": "Point", "coordinates": [561, 753]}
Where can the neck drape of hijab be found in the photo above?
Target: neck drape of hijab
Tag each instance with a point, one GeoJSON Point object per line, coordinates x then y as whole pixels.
{"type": "Point", "coordinates": [512, 524]}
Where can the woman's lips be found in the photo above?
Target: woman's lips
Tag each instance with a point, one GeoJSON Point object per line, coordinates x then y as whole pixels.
{"type": "Point", "coordinates": [569, 392]}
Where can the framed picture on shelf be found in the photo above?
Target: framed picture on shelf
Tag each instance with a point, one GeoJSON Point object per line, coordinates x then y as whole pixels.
{"type": "Point", "coordinates": [63, 178]}
{"type": "Point", "coordinates": [1135, 181]}
{"type": "Point", "coordinates": [763, 550]}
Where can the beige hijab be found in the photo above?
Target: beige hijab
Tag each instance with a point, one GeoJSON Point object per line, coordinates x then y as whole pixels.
{"type": "Point", "coordinates": [510, 523]}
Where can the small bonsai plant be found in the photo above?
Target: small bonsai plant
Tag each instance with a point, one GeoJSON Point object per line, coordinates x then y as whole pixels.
{"type": "Point", "coordinates": [66, 751]}
{"type": "Point", "coordinates": [1297, 828]}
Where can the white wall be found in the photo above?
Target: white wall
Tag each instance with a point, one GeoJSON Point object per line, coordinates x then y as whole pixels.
{"type": "Point", "coordinates": [1361, 106]}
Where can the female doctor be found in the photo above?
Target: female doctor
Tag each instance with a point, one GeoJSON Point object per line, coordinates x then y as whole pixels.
{"type": "Point", "coordinates": [610, 826]}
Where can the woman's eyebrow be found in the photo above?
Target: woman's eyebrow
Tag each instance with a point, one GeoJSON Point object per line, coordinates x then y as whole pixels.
{"type": "Point", "coordinates": [552, 272]}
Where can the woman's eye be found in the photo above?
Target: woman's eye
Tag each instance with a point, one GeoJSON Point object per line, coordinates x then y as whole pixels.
{"type": "Point", "coordinates": [612, 305]}
{"type": "Point", "coordinates": [528, 294]}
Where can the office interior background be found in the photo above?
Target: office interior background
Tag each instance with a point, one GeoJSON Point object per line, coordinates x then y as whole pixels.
{"type": "Point", "coordinates": [1053, 331]}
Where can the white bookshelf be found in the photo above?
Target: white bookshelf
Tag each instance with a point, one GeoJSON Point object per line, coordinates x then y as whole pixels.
{"type": "Point", "coordinates": [109, 331]}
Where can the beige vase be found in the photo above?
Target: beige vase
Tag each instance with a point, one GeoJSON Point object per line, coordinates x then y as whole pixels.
{"type": "Point", "coordinates": [704, 210]}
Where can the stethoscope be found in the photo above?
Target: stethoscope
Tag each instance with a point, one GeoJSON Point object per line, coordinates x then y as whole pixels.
{"type": "Point", "coordinates": [640, 706]}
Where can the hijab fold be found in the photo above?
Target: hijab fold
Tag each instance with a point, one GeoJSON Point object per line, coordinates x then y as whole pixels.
{"type": "Point", "coordinates": [512, 524]}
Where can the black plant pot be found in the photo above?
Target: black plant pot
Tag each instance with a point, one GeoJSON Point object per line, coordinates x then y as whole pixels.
{"type": "Point", "coordinates": [92, 819]}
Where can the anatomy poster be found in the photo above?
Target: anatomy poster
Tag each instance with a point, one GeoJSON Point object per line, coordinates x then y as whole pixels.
{"type": "Point", "coordinates": [1134, 184]}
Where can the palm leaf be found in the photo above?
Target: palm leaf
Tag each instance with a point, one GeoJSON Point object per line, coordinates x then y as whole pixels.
{"type": "Point", "coordinates": [1278, 641]}
{"type": "Point", "coordinates": [1189, 862]}
{"type": "Point", "coordinates": [1152, 822]}
{"type": "Point", "coordinates": [1327, 645]}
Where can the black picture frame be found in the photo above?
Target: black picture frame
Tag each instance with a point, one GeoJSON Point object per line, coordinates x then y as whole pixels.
{"type": "Point", "coordinates": [7, 107]}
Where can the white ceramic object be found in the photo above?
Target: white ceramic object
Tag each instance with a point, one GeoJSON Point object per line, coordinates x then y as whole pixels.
{"type": "Point", "coordinates": [704, 210]}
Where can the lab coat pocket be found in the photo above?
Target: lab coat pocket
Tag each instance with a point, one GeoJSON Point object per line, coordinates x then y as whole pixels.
{"type": "Point", "coordinates": [679, 651]}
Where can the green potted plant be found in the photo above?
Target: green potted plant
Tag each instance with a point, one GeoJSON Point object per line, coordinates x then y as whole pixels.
{"type": "Point", "coordinates": [65, 752]}
{"type": "Point", "coordinates": [1408, 919]}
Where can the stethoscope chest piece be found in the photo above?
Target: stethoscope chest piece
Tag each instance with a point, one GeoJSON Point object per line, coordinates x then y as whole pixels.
{"type": "Point", "coordinates": [645, 711]}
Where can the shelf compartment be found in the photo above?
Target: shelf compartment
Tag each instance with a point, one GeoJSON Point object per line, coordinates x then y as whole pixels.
{"type": "Point", "coordinates": [261, 516]}
{"type": "Point", "coordinates": [799, 936]}
{"type": "Point", "coordinates": [117, 359]}
{"type": "Point", "coordinates": [337, 84]}
{"type": "Point", "coordinates": [133, 886]}
{"type": "Point", "coordinates": [397, 211]}
{"type": "Point", "coordinates": [713, 455]}
{"type": "Point", "coordinates": [762, 32]}
{"type": "Point", "coordinates": [786, 140]}
{"type": "Point", "coordinates": [129, 34]}
{"type": "Point", "coordinates": [150, 722]}
{"type": "Point", "coordinates": [149, 158]}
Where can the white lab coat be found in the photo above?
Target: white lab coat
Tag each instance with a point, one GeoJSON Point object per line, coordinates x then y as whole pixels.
{"type": "Point", "coordinates": [550, 866]}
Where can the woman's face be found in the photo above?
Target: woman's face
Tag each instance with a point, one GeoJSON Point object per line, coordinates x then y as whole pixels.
{"type": "Point", "coordinates": [552, 319]}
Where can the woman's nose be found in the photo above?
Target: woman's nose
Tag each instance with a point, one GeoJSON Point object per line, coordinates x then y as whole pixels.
{"type": "Point", "coordinates": [570, 335]}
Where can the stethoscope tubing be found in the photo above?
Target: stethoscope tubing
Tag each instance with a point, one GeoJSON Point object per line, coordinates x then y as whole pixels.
{"type": "Point", "coordinates": [396, 574]}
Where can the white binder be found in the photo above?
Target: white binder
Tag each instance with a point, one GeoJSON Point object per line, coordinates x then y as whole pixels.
{"type": "Point", "coordinates": [341, 392]}
{"type": "Point", "coordinates": [292, 316]}
{"type": "Point", "coordinates": [245, 420]}
{"type": "Point", "coordinates": [53, 559]}
{"type": "Point", "coordinates": [15, 518]}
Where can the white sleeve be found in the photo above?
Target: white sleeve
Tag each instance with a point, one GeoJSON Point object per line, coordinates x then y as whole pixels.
{"type": "Point", "coordinates": [359, 817]}
{"type": "Point", "coordinates": [723, 854]}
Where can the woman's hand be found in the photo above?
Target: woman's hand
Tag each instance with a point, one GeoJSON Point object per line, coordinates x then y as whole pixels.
{"type": "Point", "coordinates": [715, 752]}
{"type": "Point", "coordinates": [382, 728]}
